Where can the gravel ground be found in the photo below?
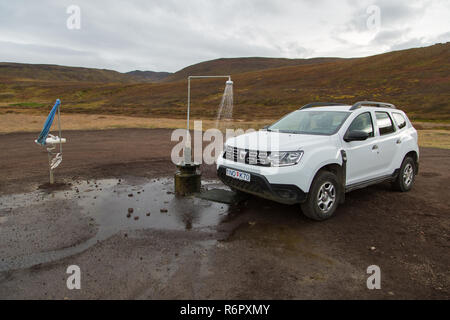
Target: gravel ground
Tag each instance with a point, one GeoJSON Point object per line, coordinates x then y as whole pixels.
{"type": "Point", "coordinates": [201, 250]}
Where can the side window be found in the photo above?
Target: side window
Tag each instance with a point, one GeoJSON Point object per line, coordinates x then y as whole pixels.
{"type": "Point", "coordinates": [384, 123]}
{"type": "Point", "coordinates": [363, 122]}
{"type": "Point", "coordinates": [399, 120]}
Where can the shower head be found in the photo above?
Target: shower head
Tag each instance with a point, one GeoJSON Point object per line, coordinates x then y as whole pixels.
{"type": "Point", "coordinates": [229, 82]}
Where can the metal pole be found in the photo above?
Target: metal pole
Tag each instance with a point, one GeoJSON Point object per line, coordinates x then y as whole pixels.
{"type": "Point", "coordinates": [59, 127]}
{"type": "Point", "coordinates": [50, 166]}
{"type": "Point", "coordinates": [189, 101]}
{"type": "Point", "coordinates": [187, 147]}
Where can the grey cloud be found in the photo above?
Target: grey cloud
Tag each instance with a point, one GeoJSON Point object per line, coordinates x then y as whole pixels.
{"type": "Point", "coordinates": [169, 35]}
{"type": "Point", "coordinates": [393, 13]}
{"type": "Point", "coordinates": [389, 36]}
{"type": "Point", "coordinates": [421, 42]}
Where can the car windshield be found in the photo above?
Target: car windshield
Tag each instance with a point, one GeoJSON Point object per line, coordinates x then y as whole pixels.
{"type": "Point", "coordinates": [310, 122]}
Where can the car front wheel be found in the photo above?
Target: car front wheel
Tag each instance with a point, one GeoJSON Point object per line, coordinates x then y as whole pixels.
{"type": "Point", "coordinates": [323, 197]}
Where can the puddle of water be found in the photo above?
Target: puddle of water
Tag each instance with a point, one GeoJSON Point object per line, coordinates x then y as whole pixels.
{"type": "Point", "coordinates": [116, 205]}
{"type": "Point", "coordinates": [152, 205]}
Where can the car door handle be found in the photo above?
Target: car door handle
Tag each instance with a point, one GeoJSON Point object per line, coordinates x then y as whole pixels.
{"type": "Point", "coordinates": [398, 141]}
{"type": "Point", "coordinates": [375, 147]}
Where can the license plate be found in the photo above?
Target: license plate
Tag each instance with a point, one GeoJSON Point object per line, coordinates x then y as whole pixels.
{"type": "Point", "coordinates": [244, 176]}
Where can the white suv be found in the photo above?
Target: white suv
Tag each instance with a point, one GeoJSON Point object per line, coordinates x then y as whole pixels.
{"type": "Point", "coordinates": [316, 154]}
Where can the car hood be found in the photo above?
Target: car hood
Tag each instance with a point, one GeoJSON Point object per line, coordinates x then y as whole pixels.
{"type": "Point", "coordinates": [275, 141]}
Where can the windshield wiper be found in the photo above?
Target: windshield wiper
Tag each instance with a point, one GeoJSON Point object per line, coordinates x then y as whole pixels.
{"type": "Point", "coordinates": [289, 131]}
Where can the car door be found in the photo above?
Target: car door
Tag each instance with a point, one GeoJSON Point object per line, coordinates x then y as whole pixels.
{"type": "Point", "coordinates": [387, 142]}
{"type": "Point", "coordinates": [362, 156]}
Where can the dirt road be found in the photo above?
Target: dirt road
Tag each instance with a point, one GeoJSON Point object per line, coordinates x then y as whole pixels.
{"type": "Point", "coordinates": [197, 249]}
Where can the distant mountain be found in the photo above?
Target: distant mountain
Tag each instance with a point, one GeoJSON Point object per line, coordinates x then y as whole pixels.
{"type": "Point", "coordinates": [416, 80]}
{"type": "Point", "coordinates": [148, 76]}
{"type": "Point", "coordinates": [47, 72]}
{"type": "Point", "coordinates": [231, 66]}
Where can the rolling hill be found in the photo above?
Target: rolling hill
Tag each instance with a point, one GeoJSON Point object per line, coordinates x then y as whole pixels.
{"type": "Point", "coordinates": [416, 80]}
{"type": "Point", "coordinates": [46, 72]}
{"type": "Point", "coordinates": [232, 66]}
{"type": "Point", "coordinates": [148, 76]}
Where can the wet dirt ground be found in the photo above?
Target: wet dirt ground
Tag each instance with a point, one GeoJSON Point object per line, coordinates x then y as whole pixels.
{"type": "Point", "coordinates": [116, 217]}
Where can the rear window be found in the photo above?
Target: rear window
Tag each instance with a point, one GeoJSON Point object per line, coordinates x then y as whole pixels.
{"type": "Point", "coordinates": [399, 120]}
{"type": "Point", "coordinates": [384, 123]}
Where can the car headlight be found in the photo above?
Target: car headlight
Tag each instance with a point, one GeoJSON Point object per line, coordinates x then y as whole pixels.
{"type": "Point", "coordinates": [289, 158]}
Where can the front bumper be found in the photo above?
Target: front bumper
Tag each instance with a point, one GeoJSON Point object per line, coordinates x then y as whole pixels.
{"type": "Point", "coordinates": [259, 186]}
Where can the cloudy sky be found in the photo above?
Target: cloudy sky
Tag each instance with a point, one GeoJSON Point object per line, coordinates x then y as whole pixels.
{"type": "Point", "coordinates": [168, 35]}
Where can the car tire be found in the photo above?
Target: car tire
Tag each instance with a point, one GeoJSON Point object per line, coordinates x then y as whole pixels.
{"type": "Point", "coordinates": [323, 197]}
{"type": "Point", "coordinates": [406, 176]}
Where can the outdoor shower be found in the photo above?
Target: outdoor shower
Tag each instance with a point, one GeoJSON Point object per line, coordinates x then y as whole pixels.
{"type": "Point", "coordinates": [187, 177]}
{"type": "Point", "coordinates": [226, 106]}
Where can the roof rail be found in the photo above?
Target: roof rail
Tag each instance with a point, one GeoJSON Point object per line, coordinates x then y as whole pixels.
{"type": "Point", "coordinates": [359, 104]}
{"type": "Point", "coordinates": [321, 104]}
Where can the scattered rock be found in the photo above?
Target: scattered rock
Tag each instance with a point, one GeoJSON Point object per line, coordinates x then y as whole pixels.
{"type": "Point", "coordinates": [163, 210]}
{"type": "Point", "coordinates": [130, 195]}
{"type": "Point", "coordinates": [252, 223]}
{"type": "Point", "coordinates": [390, 293]}
{"type": "Point", "coordinates": [136, 218]}
{"type": "Point", "coordinates": [373, 248]}
{"type": "Point", "coordinates": [148, 214]}
{"type": "Point", "coordinates": [130, 210]}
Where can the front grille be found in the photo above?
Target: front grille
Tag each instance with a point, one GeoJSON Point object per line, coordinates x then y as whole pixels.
{"type": "Point", "coordinates": [253, 157]}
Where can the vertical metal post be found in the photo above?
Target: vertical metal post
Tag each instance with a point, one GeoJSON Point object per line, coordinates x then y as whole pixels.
{"type": "Point", "coordinates": [187, 147]}
{"type": "Point", "coordinates": [189, 102]}
{"type": "Point", "coordinates": [59, 128]}
{"type": "Point", "coordinates": [52, 180]}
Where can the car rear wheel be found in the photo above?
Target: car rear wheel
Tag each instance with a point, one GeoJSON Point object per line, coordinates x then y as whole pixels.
{"type": "Point", "coordinates": [323, 197]}
{"type": "Point", "coordinates": [406, 176]}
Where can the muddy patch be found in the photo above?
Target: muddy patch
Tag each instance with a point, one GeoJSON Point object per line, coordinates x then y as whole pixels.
{"type": "Point", "coordinates": [429, 174]}
{"type": "Point", "coordinates": [106, 206]}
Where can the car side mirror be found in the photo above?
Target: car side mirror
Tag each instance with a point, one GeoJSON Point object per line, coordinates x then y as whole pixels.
{"type": "Point", "coordinates": [356, 135]}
